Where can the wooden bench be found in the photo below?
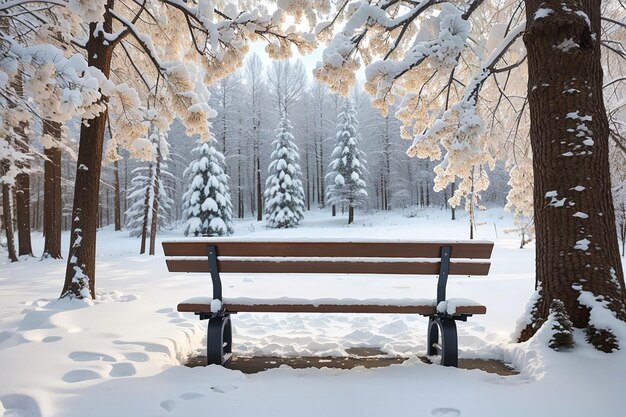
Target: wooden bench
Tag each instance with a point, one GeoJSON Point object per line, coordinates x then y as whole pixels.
{"type": "Point", "coordinates": [223, 255]}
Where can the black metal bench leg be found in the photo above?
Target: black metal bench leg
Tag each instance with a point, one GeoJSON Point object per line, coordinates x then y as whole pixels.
{"type": "Point", "coordinates": [433, 337]}
{"type": "Point", "coordinates": [449, 343]}
{"type": "Point", "coordinates": [219, 327]}
{"type": "Point", "coordinates": [228, 335]}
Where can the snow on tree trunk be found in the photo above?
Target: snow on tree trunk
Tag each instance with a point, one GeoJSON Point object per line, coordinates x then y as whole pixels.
{"type": "Point", "coordinates": [207, 204]}
{"type": "Point", "coordinates": [284, 193]}
{"type": "Point", "coordinates": [577, 251]}
{"type": "Point", "coordinates": [347, 170]}
{"type": "Point", "coordinates": [80, 275]}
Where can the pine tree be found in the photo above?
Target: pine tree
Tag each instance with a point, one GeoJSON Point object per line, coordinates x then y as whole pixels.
{"type": "Point", "coordinates": [207, 205]}
{"type": "Point", "coordinates": [347, 170]}
{"type": "Point", "coordinates": [284, 194]}
{"type": "Point", "coordinates": [141, 194]}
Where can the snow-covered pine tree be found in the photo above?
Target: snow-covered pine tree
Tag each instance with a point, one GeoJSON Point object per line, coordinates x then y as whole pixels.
{"type": "Point", "coordinates": [141, 195]}
{"type": "Point", "coordinates": [206, 204]}
{"type": "Point", "coordinates": [284, 194]}
{"type": "Point", "coordinates": [346, 178]}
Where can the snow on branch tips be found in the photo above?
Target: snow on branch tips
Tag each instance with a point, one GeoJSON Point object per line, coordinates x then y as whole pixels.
{"type": "Point", "coordinates": [433, 58]}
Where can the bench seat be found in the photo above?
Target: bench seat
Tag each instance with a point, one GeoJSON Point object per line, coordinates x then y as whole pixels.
{"type": "Point", "coordinates": [426, 307]}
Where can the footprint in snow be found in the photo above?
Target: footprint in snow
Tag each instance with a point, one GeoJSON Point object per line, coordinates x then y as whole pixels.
{"type": "Point", "coordinates": [18, 405]}
{"type": "Point", "coordinates": [190, 396]}
{"type": "Point", "coordinates": [51, 339]}
{"type": "Point", "coordinates": [122, 369]}
{"type": "Point", "coordinates": [137, 356]}
{"type": "Point", "coordinates": [168, 405]}
{"type": "Point", "coordinates": [445, 412]}
{"type": "Point", "coordinates": [80, 375]}
{"type": "Point", "coordinates": [223, 389]}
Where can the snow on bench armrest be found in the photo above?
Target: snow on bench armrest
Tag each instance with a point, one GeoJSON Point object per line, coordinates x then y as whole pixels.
{"type": "Point", "coordinates": [450, 305]}
{"type": "Point", "coordinates": [216, 305]}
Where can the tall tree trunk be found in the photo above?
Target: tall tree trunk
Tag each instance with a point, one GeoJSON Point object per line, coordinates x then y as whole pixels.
{"type": "Point", "coordinates": [350, 214]}
{"type": "Point", "coordinates": [80, 275]}
{"type": "Point", "coordinates": [452, 208]}
{"type": "Point", "coordinates": [577, 248]}
{"type": "Point", "coordinates": [308, 179]}
{"type": "Point", "coordinates": [7, 212]}
{"type": "Point", "coordinates": [259, 195]}
{"type": "Point", "coordinates": [52, 198]}
{"type": "Point", "coordinates": [116, 196]}
{"type": "Point", "coordinates": [334, 210]}
{"type": "Point", "coordinates": [155, 203]}
{"type": "Point", "coordinates": [146, 212]}
{"type": "Point", "coordinates": [240, 199]}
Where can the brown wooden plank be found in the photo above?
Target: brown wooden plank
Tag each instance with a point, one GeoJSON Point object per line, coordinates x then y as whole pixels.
{"type": "Point", "coordinates": [381, 249]}
{"type": "Point", "coordinates": [328, 267]}
{"type": "Point", "coordinates": [327, 308]}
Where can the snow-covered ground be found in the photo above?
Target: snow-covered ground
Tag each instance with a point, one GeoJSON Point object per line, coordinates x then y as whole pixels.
{"type": "Point", "coordinates": [121, 355]}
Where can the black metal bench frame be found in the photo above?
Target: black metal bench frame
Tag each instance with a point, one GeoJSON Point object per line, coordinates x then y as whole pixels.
{"type": "Point", "coordinates": [220, 339]}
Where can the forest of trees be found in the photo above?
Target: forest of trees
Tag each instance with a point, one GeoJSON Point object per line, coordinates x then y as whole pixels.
{"type": "Point", "coordinates": [102, 104]}
{"type": "Point", "coordinates": [394, 180]}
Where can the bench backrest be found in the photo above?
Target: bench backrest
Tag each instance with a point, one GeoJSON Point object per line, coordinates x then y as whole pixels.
{"type": "Point", "coordinates": [358, 257]}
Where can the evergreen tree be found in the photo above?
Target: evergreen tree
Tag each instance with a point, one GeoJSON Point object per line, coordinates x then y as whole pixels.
{"type": "Point", "coordinates": [347, 169]}
{"type": "Point", "coordinates": [284, 194]}
{"type": "Point", "coordinates": [207, 205]}
{"type": "Point", "coordinates": [141, 195]}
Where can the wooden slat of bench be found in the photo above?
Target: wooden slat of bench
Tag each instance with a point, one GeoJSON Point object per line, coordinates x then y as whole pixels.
{"type": "Point", "coordinates": [380, 249]}
{"type": "Point", "coordinates": [328, 308]}
{"type": "Point", "coordinates": [328, 267]}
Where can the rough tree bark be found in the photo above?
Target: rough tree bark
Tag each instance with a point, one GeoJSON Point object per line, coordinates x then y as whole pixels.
{"type": "Point", "coordinates": [577, 247]}
{"type": "Point", "coordinates": [52, 194]}
{"type": "Point", "coordinates": [80, 274]}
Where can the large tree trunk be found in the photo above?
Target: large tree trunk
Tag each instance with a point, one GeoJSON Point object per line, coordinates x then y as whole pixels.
{"type": "Point", "coordinates": [577, 247]}
{"type": "Point", "coordinates": [80, 274]}
{"type": "Point", "coordinates": [52, 194]}
{"type": "Point", "coordinates": [350, 214]}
